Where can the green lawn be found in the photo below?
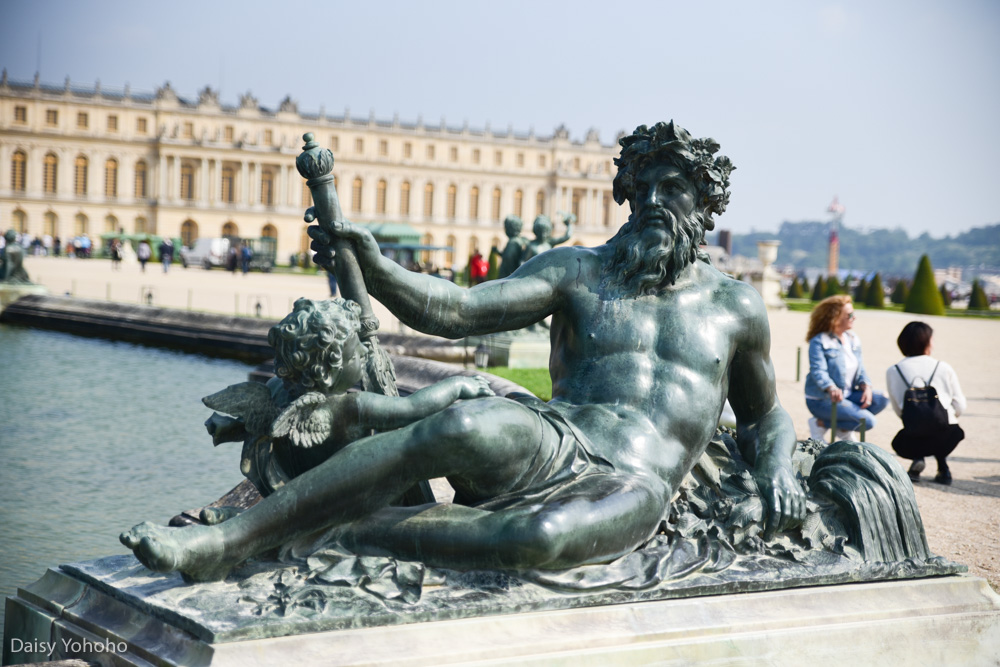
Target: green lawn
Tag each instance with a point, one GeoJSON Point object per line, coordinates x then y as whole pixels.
{"type": "Point", "coordinates": [535, 380]}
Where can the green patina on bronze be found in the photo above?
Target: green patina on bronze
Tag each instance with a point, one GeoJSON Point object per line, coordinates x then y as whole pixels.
{"type": "Point", "coordinates": [12, 261]}
{"type": "Point", "coordinates": [648, 342]}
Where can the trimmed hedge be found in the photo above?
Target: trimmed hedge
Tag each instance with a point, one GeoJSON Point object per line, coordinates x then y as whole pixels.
{"type": "Point", "coordinates": [924, 297]}
{"type": "Point", "coordinates": [875, 297]}
{"type": "Point", "coordinates": [978, 299]}
{"type": "Point", "coordinates": [899, 293]}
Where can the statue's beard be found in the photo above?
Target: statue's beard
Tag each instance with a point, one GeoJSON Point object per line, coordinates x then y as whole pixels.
{"type": "Point", "coordinates": [651, 251]}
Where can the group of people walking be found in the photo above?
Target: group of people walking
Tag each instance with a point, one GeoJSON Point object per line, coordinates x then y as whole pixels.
{"type": "Point", "coordinates": [923, 391]}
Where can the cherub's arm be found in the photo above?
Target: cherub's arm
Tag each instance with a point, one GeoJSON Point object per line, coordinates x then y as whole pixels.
{"type": "Point", "coordinates": [570, 219]}
{"type": "Point", "coordinates": [389, 412]}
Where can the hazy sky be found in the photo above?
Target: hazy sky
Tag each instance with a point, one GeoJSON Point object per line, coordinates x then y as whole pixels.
{"type": "Point", "coordinates": [892, 105]}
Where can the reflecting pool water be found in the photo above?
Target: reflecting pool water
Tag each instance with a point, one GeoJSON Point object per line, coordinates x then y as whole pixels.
{"type": "Point", "coordinates": [96, 436]}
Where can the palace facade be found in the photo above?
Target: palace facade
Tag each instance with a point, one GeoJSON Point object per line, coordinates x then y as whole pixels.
{"type": "Point", "coordinates": [88, 160]}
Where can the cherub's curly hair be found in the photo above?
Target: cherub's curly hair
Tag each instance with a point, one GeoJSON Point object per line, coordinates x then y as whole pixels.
{"type": "Point", "coordinates": [666, 141]}
{"type": "Point", "coordinates": [825, 313]}
{"type": "Point", "coordinates": [308, 344]}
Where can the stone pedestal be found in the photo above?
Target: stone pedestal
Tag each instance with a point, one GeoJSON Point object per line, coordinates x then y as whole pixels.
{"type": "Point", "coordinates": [9, 293]}
{"type": "Point", "coordinates": [520, 349]}
{"type": "Point", "coordinates": [768, 282]}
{"type": "Point", "coordinates": [932, 621]}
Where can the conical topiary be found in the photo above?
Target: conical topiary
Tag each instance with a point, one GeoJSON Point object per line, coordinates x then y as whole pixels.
{"type": "Point", "coordinates": [805, 286]}
{"type": "Point", "coordinates": [875, 298]}
{"type": "Point", "coordinates": [819, 289]}
{"type": "Point", "coordinates": [899, 292]}
{"type": "Point", "coordinates": [795, 289]}
{"type": "Point", "coordinates": [978, 299]}
{"type": "Point", "coordinates": [861, 291]}
{"type": "Point", "coordinates": [832, 287]}
{"type": "Point", "coordinates": [924, 297]}
{"type": "Point", "coordinates": [494, 271]}
{"type": "Point", "coordinates": [945, 295]}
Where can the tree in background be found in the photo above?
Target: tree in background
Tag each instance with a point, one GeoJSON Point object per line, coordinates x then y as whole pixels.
{"type": "Point", "coordinates": [978, 299]}
{"type": "Point", "coordinates": [819, 289]}
{"type": "Point", "coordinates": [861, 291]}
{"type": "Point", "coordinates": [875, 298]}
{"type": "Point", "coordinates": [805, 286]}
{"type": "Point", "coordinates": [945, 295]}
{"type": "Point", "coordinates": [795, 289]}
{"type": "Point", "coordinates": [494, 271]}
{"type": "Point", "coordinates": [899, 292]}
{"type": "Point", "coordinates": [832, 287]}
{"type": "Point", "coordinates": [924, 297]}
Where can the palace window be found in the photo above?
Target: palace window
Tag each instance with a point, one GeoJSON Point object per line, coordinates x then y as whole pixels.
{"type": "Point", "coordinates": [80, 176]}
{"type": "Point", "coordinates": [473, 244]}
{"type": "Point", "coordinates": [189, 232]}
{"type": "Point", "coordinates": [452, 196]}
{"type": "Point", "coordinates": [269, 231]}
{"type": "Point", "coordinates": [430, 151]}
{"type": "Point", "coordinates": [518, 202]}
{"type": "Point", "coordinates": [496, 204]}
{"type": "Point", "coordinates": [541, 161]}
{"type": "Point", "coordinates": [498, 158]}
{"type": "Point", "coordinates": [110, 224]}
{"type": "Point", "coordinates": [334, 143]}
{"type": "Point", "coordinates": [383, 147]}
{"type": "Point", "coordinates": [230, 229]}
{"type": "Point", "coordinates": [113, 123]}
{"type": "Point", "coordinates": [404, 198]}
{"type": "Point", "coordinates": [82, 120]}
{"type": "Point", "coordinates": [606, 208]}
{"type": "Point", "coordinates": [575, 206]}
{"type": "Point", "coordinates": [428, 200]}
{"type": "Point", "coordinates": [307, 199]}
{"type": "Point", "coordinates": [187, 182]}
{"type": "Point", "coordinates": [453, 153]}
{"type": "Point", "coordinates": [268, 137]}
{"type": "Point", "coordinates": [82, 225]}
{"type": "Point", "coordinates": [111, 178]}
{"type": "Point", "coordinates": [475, 155]}
{"type": "Point", "coordinates": [51, 165]}
{"type": "Point", "coordinates": [141, 125]}
{"type": "Point", "coordinates": [20, 220]}
{"type": "Point", "coordinates": [228, 133]}
{"type": "Point", "coordinates": [380, 197]}
{"type": "Point", "coordinates": [228, 182]}
{"type": "Point", "coordinates": [51, 117]}
{"type": "Point", "coordinates": [188, 128]}
{"type": "Point", "coordinates": [520, 159]}
{"type": "Point", "coordinates": [359, 145]}
{"type": "Point", "coordinates": [356, 195]}
{"type": "Point", "coordinates": [18, 169]}
{"type": "Point", "coordinates": [540, 203]}
{"type": "Point", "coordinates": [425, 256]}
{"type": "Point", "coordinates": [267, 188]}
{"type": "Point", "coordinates": [50, 225]}
{"type": "Point", "coordinates": [407, 149]}
{"type": "Point", "coordinates": [473, 203]}
{"type": "Point", "coordinates": [449, 254]}
{"type": "Point", "coordinates": [20, 114]}
{"type": "Point", "coordinates": [576, 164]}
{"type": "Point", "coordinates": [141, 174]}
{"type": "Point", "coordinates": [142, 226]}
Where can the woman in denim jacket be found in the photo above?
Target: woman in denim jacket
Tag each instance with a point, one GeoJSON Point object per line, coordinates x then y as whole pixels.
{"type": "Point", "coordinates": [836, 372]}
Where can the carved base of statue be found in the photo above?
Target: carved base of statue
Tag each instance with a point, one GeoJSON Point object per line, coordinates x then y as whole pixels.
{"type": "Point", "coordinates": [11, 292]}
{"type": "Point", "coordinates": [708, 586]}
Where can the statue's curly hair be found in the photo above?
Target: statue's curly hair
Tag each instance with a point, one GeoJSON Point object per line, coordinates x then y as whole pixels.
{"type": "Point", "coordinates": [309, 342]}
{"type": "Point", "coordinates": [666, 141]}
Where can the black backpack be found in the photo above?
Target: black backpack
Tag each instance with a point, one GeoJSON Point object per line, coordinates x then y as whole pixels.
{"type": "Point", "coordinates": [923, 413]}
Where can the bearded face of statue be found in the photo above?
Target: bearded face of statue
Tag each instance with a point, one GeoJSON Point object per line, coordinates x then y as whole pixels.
{"type": "Point", "coordinates": [662, 234]}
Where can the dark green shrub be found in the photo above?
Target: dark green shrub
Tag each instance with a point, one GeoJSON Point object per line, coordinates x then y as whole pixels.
{"type": "Point", "coordinates": [861, 291]}
{"type": "Point", "coordinates": [832, 287]}
{"type": "Point", "coordinates": [795, 289]}
{"type": "Point", "coordinates": [819, 289]}
{"type": "Point", "coordinates": [875, 298]}
{"type": "Point", "coordinates": [924, 297]}
{"type": "Point", "coordinates": [899, 292]}
{"type": "Point", "coordinates": [978, 299]}
{"type": "Point", "coordinates": [945, 295]}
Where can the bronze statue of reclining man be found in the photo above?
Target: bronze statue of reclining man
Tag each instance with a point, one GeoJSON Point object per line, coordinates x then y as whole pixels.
{"type": "Point", "coordinates": [648, 342]}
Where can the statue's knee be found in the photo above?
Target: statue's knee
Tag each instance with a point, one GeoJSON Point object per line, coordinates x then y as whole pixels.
{"type": "Point", "coordinates": [535, 542]}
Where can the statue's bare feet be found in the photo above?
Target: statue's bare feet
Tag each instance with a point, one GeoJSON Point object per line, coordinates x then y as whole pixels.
{"type": "Point", "coordinates": [195, 551]}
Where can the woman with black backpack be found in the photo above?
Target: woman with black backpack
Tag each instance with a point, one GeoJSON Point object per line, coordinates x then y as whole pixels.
{"type": "Point", "coordinates": [926, 394]}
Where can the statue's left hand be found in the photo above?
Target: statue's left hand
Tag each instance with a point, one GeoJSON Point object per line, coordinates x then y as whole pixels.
{"type": "Point", "coordinates": [784, 500]}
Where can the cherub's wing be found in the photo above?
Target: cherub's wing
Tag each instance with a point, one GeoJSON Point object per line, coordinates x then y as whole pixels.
{"type": "Point", "coordinates": [249, 401]}
{"type": "Point", "coordinates": [307, 422]}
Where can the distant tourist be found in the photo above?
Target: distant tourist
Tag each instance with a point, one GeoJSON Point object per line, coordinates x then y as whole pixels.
{"type": "Point", "coordinates": [478, 268]}
{"type": "Point", "coordinates": [837, 374]}
{"type": "Point", "coordinates": [57, 246]}
{"type": "Point", "coordinates": [144, 253]}
{"type": "Point", "coordinates": [232, 259]}
{"type": "Point", "coordinates": [245, 255]}
{"type": "Point", "coordinates": [166, 253]}
{"type": "Point", "coordinates": [115, 250]}
{"type": "Point", "coordinates": [929, 434]}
